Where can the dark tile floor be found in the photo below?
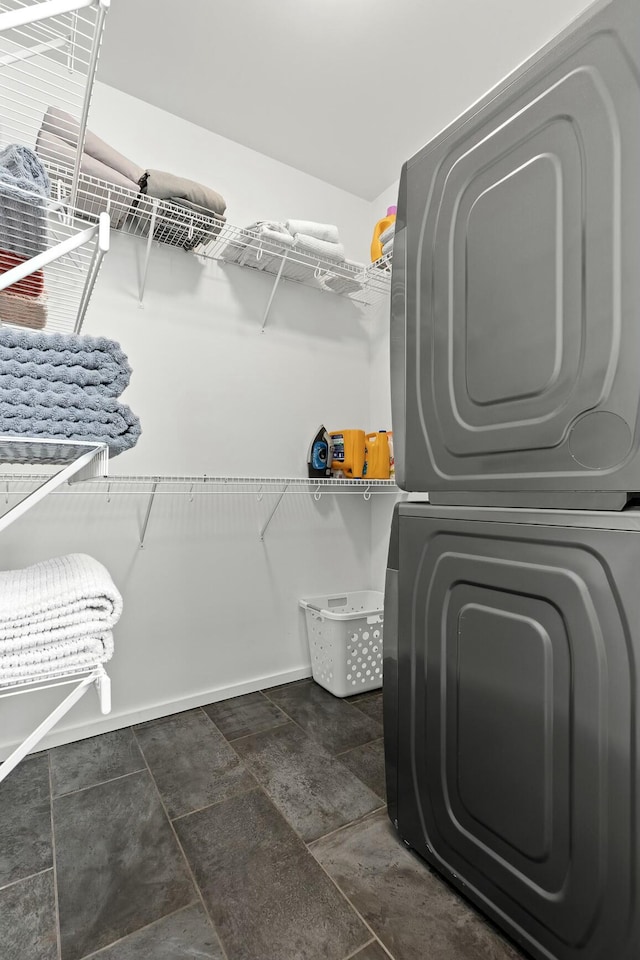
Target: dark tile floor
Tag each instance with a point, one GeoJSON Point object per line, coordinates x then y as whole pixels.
{"type": "Point", "coordinates": [252, 829]}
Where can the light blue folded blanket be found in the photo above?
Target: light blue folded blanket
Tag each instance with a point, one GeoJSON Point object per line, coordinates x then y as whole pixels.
{"type": "Point", "coordinates": [59, 358]}
{"type": "Point", "coordinates": [35, 413]}
{"type": "Point", "coordinates": [24, 187]}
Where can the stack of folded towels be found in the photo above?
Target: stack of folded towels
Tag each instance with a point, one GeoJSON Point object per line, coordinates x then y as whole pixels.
{"type": "Point", "coordinates": [65, 387]}
{"type": "Point", "coordinates": [125, 181]}
{"type": "Point", "coordinates": [24, 188]}
{"type": "Point", "coordinates": [56, 617]}
{"type": "Point", "coordinates": [309, 246]}
{"type": "Point", "coordinates": [308, 243]}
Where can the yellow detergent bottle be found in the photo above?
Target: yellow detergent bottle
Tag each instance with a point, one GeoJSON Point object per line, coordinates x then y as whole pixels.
{"type": "Point", "coordinates": [380, 227]}
{"type": "Point", "coordinates": [377, 456]}
{"type": "Point", "coordinates": [347, 453]}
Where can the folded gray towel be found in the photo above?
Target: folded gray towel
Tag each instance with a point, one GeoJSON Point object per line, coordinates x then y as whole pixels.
{"type": "Point", "coordinates": [320, 231]}
{"type": "Point", "coordinates": [166, 186]}
{"type": "Point", "coordinates": [24, 187]}
{"type": "Point", "coordinates": [63, 126]}
{"type": "Point", "coordinates": [95, 363]}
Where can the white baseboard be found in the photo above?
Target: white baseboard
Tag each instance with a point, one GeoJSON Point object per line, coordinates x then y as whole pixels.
{"type": "Point", "coordinates": [115, 721]}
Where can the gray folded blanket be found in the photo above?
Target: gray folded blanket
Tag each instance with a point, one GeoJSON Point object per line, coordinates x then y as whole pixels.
{"type": "Point", "coordinates": [34, 413]}
{"type": "Point", "coordinates": [63, 126]}
{"type": "Point", "coordinates": [166, 186]}
{"type": "Point", "coordinates": [95, 363]}
{"type": "Point", "coordinates": [24, 187]}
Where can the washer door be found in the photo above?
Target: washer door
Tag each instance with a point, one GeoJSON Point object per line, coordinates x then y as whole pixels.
{"type": "Point", "coordinates": [518, 730]}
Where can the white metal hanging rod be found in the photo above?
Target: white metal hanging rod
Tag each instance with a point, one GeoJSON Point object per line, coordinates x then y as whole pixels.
{"type": "Point", "coordinates": [42, 11]}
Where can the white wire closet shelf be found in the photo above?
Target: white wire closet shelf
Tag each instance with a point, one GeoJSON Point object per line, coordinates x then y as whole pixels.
{"type": "Point", "coordinates": [197, 230]}
{"type": "Point", "coordinates": [48, 57]}
{"type": "Point", "coordinates": [202, 485]}
{"type": "Point", "coordinates": [49, 263]}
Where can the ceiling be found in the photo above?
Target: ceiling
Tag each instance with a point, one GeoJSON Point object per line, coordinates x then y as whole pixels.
{"type": "Point", "coordinates": [344, 90]}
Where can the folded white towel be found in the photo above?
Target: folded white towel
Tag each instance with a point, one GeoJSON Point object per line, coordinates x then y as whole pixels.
{"type": "Point", "coordinates": [323, 249]}
{"type": "Point", "coordinates": [64, 592]}
{"type": "Point", "coordinates": [64, 657]}
{"type": "Point", "coordinates": [387, 247]}
{"type": "Point", "coordinates": [387, 234]}
{"type": "Point", "coordinates": [320, 231]}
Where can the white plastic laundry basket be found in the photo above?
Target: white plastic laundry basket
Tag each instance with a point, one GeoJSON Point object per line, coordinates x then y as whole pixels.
{"type": "Point", "coordinates": [345, 640]}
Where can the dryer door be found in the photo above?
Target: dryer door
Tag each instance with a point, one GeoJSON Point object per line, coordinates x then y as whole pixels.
{"type": "Point", "coordinates": [515, 335]}
{"type": "Point", "coordinates": [517, 765]}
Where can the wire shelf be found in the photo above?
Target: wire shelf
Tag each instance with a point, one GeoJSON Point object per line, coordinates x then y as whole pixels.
{"type": "Point", "coordinates": [199, 231]}
{"type": "Point", "coordinates": [49, 263]}
{"type": "Point", "coordinates": [198, 485]}
{"type": "Point", "coordinates": [48, 57]}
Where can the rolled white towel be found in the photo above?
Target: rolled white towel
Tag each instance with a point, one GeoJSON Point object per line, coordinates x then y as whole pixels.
{"type": "Point", "coordinates": [323, 249]}
{"type": "Point", "coordinates": [320, 231]}
{"type": "Point", "coordinates": [387, 234]}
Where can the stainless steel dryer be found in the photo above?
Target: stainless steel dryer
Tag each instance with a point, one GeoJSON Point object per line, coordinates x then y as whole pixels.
{"type": "Point", "coordinates": [511, 672]}
{"type": "Point", "coordinates": [515, 330]}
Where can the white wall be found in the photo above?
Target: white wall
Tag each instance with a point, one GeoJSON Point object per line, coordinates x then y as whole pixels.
{"type": "Point", "coordinates": [210, 611]}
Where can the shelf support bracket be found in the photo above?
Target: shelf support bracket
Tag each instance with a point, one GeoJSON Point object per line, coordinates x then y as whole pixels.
{"type": "Point", "coordinates": [273, 512]}
{"type": "Point", "coordinates": [147, 253]}
{"type": "Point", "coordinates": [101, 247]}
{"type": "Point", "coordinates": [98, 676]}
{"type": "Point", "coordinates": [145, 524]}
{"type": "Point", "coordinates": [92, 463]}
{"type": "Point", "coordinates": [273, 291]}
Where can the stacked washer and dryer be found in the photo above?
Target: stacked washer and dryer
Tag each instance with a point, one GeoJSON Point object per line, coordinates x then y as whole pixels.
{"type": "Point", "coordinates": [512, 608]}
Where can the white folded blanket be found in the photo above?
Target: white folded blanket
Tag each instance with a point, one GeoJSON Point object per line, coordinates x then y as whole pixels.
{"type": "Point", "coordinates": [56, 615]}
{"type": "Point", "coordinates": [320, 231]}
{"type": "Point", "coordinates": [76, 588]}
{"type": "Point", "coordinates": [65, 657]}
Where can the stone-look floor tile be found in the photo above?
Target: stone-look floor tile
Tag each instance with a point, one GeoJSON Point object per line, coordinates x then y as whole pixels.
{"type": "Point", "coordinates": [411, 911]}
{"type": "Point", "coordinates": [337, 725]}
{"type": "Point", "coordinates": [367, 762]}
{"type": "Point", "coordinates": [372, 706]}
{"type": "Point", "coordinates": [191, 762]}
{"type": "Point", "coordinates": [25, 821]}
{"type": "Point", "coordinates": [119, 867]}
{"type": "Point", "coordinates": [28, 919]}
{"type": "Point", "coordinates": [372, 952]}
{"type": "Point", "coordinates": [313, 791]}
{"type": "Point", "coordinates": [186, 935]}
{"type": "Point", "coordinates": [267, 896]}
{"type": "Point", "coordinates": [244, 715]}
{"type": "Point", "coordinates": [86, 763]}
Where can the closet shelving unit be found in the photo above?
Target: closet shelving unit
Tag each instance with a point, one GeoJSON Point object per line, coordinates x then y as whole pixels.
{"type": "Point", "coordinates": [48, 56]}
{"type": "Point", "coordinates": [273, 488]}
{"type": "Point", "coordinates": [198, 231]}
